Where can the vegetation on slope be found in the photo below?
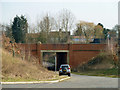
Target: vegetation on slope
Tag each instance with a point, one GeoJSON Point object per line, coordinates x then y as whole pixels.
{"type": "Point", "coordinates": [105, 64]}
{"type": "Point", "coordinates": [16, 69]}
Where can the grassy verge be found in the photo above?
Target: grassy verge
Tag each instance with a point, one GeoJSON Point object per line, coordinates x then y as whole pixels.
{"type": "Point", "coordinates": [107, 73]}
{"type": "Point", "coordinates": [18, 79]}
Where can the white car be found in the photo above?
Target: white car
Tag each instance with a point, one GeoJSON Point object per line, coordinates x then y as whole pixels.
{"type": "Point", "coordinates": [65, 70]}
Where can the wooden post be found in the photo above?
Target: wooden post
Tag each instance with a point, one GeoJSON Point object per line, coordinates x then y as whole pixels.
{"type": "Point", "coordinates": [39, 52]}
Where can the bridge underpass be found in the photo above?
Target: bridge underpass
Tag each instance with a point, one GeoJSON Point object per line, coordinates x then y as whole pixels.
{"type": "Point", "coordinates": [61, 56]}
{"type": "Point", "coordinates": [73, 54]}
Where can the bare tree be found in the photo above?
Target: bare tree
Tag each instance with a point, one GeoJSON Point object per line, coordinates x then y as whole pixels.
{"type": "Point", "coordinates": [45, 26]}
{"type": "Point", "coordinates": [116, 30]}
{"type": "Point", "coordinates": [65, 21]}
{"type": "Point", "coordinates": [31, 35]}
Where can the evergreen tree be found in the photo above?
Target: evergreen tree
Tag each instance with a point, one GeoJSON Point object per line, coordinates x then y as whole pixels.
{"type": "Point", "coordinates": [105, 31]}
{"type": "Point", "coordinates": [19, 29]}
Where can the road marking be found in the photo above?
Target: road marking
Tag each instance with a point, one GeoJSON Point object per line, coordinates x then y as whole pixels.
{"type": "Point", "coordinates": [35, 82]}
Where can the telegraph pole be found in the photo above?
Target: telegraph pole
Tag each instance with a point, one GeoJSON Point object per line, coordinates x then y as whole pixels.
{"type": "Point", "coordinates": [55, 63]}
{"type": "Point", "coordinates": [119, 38]}
{"type": "Point", "coordinates": [119, 42]}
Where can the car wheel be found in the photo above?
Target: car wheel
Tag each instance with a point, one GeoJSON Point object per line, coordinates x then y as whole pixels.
{"type": "Point", "coordinates": [69, 75]}
{"type": "Point", "coordinates": [59, 74]}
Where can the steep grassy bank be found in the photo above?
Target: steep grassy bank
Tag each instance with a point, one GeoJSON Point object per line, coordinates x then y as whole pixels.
{"type": "Point", "coordinates": [16, 69]}
{"type": "Point", "coordinates": [105, 64]}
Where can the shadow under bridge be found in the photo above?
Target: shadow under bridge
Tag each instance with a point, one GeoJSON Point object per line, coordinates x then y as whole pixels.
{"type": "Point", "coordinates": [61, 57]}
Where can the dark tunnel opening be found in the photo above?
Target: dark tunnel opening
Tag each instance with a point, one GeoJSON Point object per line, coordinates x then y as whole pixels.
{"type": "Point", "coordinates": [61, 58]}
{"type": "Point", "coordinates": [49, 61]}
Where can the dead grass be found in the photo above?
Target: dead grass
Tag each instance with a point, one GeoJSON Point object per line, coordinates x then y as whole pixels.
{"type": "Point", "coordinates": [102, 61]}
{"type": "Point", "coordinates": [16, 69]}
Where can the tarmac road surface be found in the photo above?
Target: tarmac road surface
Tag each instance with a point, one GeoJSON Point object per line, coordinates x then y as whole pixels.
{"type": "Point", "coordinates": [76, 81]}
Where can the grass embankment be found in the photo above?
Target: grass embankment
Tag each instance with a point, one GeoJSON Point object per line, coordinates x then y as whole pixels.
{"type": "Point", "coordinates": [102, 65]}
{"type": "Point", "coordinates": [16, 69]}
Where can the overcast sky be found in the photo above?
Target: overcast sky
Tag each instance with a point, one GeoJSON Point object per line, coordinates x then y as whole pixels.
{"type": "Point", "coordinates": [96, 11]}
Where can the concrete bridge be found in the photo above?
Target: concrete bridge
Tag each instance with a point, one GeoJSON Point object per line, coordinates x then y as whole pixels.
{"type": "Point", "coordinates": [73, 54]}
